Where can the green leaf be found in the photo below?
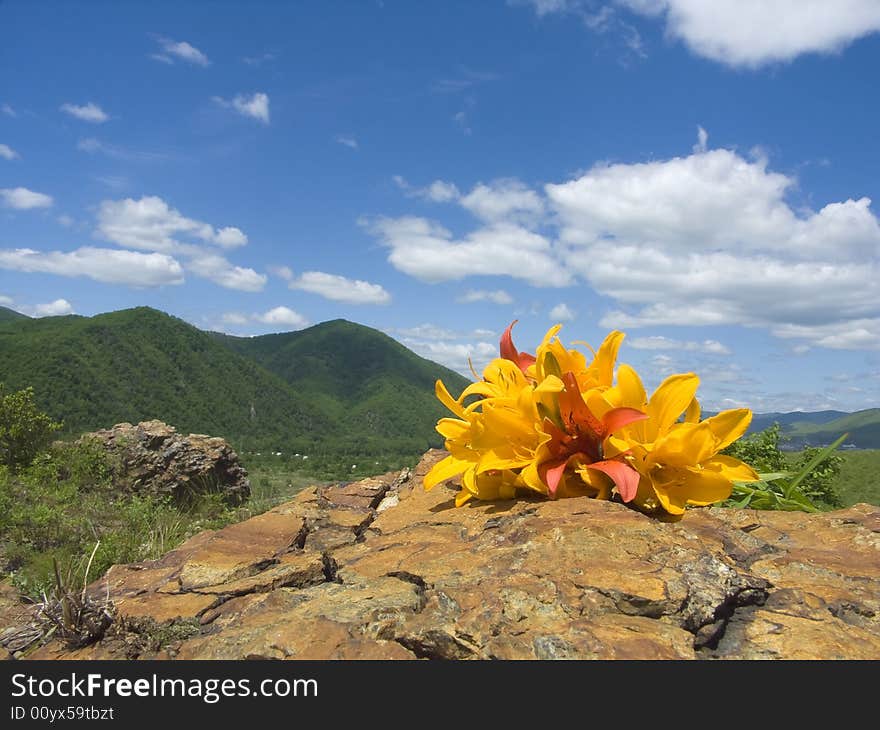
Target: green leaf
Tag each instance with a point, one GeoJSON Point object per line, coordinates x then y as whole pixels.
{"type": "Point", "coordinates": [808, 467]}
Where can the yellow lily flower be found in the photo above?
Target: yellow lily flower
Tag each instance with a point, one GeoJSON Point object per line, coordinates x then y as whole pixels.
{"type": "Point", "coordinates": [676, 454]}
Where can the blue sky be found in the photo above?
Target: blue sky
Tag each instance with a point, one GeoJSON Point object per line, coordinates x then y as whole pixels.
{"type": "Point", "coordinates": [697, 174]}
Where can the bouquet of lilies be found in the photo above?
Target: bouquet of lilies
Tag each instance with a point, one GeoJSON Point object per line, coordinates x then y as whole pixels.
{"type": "Point", "coordinates": [556, 424]}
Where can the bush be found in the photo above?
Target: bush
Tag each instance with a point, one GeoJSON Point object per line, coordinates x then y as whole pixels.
{"type": "Point", "coordinates": [24, 430]}
{"type": "Point", "coordinates": [805, 482]}
{"type": "Point", "coordinates": [68, 500]}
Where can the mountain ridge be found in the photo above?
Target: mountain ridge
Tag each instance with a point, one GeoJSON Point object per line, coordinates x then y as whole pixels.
{"type": "Point", "coordinates": [141, 363]}
{"type": "Point", "coordinates": [337, 385]}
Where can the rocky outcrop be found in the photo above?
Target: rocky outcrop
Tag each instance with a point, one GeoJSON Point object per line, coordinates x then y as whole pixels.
{"type": "Point", "coordinates": [330, 575]}
{"type": "Point", "coordinates": [155, 459]}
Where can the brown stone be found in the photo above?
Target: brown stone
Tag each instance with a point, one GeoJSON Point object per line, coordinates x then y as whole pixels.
{"type": "Point", "coordinates": [328, 575]}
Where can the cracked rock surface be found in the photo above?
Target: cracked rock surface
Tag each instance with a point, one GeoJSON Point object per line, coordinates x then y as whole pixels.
{"type": "Point", "coordinates": [331, 575]}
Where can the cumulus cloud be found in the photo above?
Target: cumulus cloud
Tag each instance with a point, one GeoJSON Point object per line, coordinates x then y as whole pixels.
{"type": "Point", "coordinates": [8, 110]}
{"type": "Point", "coordinates": [6, 301]}
{"type": "Point", "coordinates": [7, 153]}
{"type": "Point", "coordinates": [755, 33]}
{"type": "Point", "coordinates": [561, 313]}
{"type": "Point", "coordinates": [657, 342]}
{"type": "Point", "coordinates": [454, 355]}
{"type": "Point", "coordinates": [218, 269]}
{"type": "Point", "coordinates": [338, 288]}
{"type": "Point", "coordinates": [428, 251]}
{"type": "Point", "coordinates": [24, 199]}
{"type": "Point", "coordinates": [504, 200]}
{"type": "Point", "coordinates": [255, 106]}
{"type": "Point", "coordinates": [706, 239]}
{"type": "Point", "coordinates": [107, 265]}
{"type": "Point", "coordinates": [90, 112]}
{"type": "Point", "coordinates": [52, 309]}
{"type": "Point", "coordinates": [648, 236]}
{"type": "Point", "coordinates": [169, 50]}
{"type": "Point", "coordinates": [498, 296]}
{"type": "Point", "coordinates": [151, 224]}
{"type": "Point", "coordinates": [283, 316]}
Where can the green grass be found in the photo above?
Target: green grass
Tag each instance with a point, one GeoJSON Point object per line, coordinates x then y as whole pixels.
{"type": "Point", "coordinates": [859, 478]}
{"type": "Point", "coordinates": [69, 501]}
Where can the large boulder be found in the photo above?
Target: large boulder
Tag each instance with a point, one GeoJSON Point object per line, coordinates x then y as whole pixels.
{"type": "Point", "coordinates": [381, 569]}
{"type": "Point", "coordinates": [156, 460]}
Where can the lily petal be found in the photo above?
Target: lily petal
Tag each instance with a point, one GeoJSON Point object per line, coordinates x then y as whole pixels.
{"type": "Point", "coordinates": [728, 426]}
{"type": "Point", "coordinates": [625, 478]}
{"type": "Point", "coordinates": [669, 401]}
{"type": "Point", "coordinates": [443, 470]}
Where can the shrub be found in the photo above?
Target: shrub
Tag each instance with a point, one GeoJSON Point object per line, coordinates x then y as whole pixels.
{"type": "Point", "coordinates": [24, 429]}
{"type": "Point", "coordinates": [802, 483]}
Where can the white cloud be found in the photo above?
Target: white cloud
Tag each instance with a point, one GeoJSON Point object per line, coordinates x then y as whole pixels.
{"type": "Point", "coordinates": [5, 301]}
{"type": "Point", "coordinates": [181, 50]}
{"type": "Point", "coordinates": [230, 237]}
{"type": "Point", "coordinates": [561, 313]}
{"type": "Point", "coordinates": [348, 140]}
{"type": "Point", "coordinates": [8, 111]}
{"type": "Point", "coordinates": [282, 272]}
{"type": "Point", "coordinates": [499, 296]}
{"type": "Point", "coordinates": [7, 153]}
{"type": "Point", "coordinates": [219, 270]}
{"type": "Point", "coordinates": [545, 7]}
{"type": "Point", "coordinates": [256, 106]}
{"type": "Point", "coordinates": [90, 112]}
{"type": "Point", "coordinates": [454, 355]}
{"type": "Point", "coordinates": [106, 265]}
{"type": "Point", "coordinates": [656, 342]}
{"type": "Point", "coordinates": [461, 121]}
{"type": "Point", "coordinates": [428, 251]}
{"type": "Point", "coordinates": [702, 140]}
{"type": "Point", "coordinates": [647, 235]}
{"type": "Point", "coordinates": [707, 239]}
{"type": "Point", "coordinates": [24, 199]}
{"type": "Point", "coordinates": [341, 289]}
{"type": "Point", "coordinates": [752, 33]}
{"type": "Point", "coordinates": [856, 334]}
{"type": "Point", "coordinates": [283, 316]}
{"type": "Point", "coordinates": [504, 200]}
{"type": "Point", "coordinates": [438, 191]}
{"type": "Point", "coordinates": [52, 309]}
{"type": "Point", "coordinates": [151, 224]}
{"type": "Point", "coordinates": [66, 221]}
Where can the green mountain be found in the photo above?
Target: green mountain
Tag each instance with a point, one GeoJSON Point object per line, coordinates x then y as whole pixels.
{"type": "Point", "coordinates": [9, 315]}
{"type": "Point", "coordinates": [366, 381]}
{"type": "Point", "coordinates": [337, 388]}
{"type": "Point", "coordinates": [862, 427]}
{"type": "Point", "coordinates": [792, 420]}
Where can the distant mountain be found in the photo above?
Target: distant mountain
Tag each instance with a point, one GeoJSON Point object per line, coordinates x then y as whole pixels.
{"type": "Point", "coordinates": [819, 428]}
{"type": "Point", "coordinates": [337, 387]}
{"type": "Point", "coordinates": [862, 427]}
{"type": "Point", "coordinates": [787, 421]}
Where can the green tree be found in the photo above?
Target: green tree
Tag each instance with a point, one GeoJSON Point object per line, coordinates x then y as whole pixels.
{"type": "Point", "coordinates": [24, 429]}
